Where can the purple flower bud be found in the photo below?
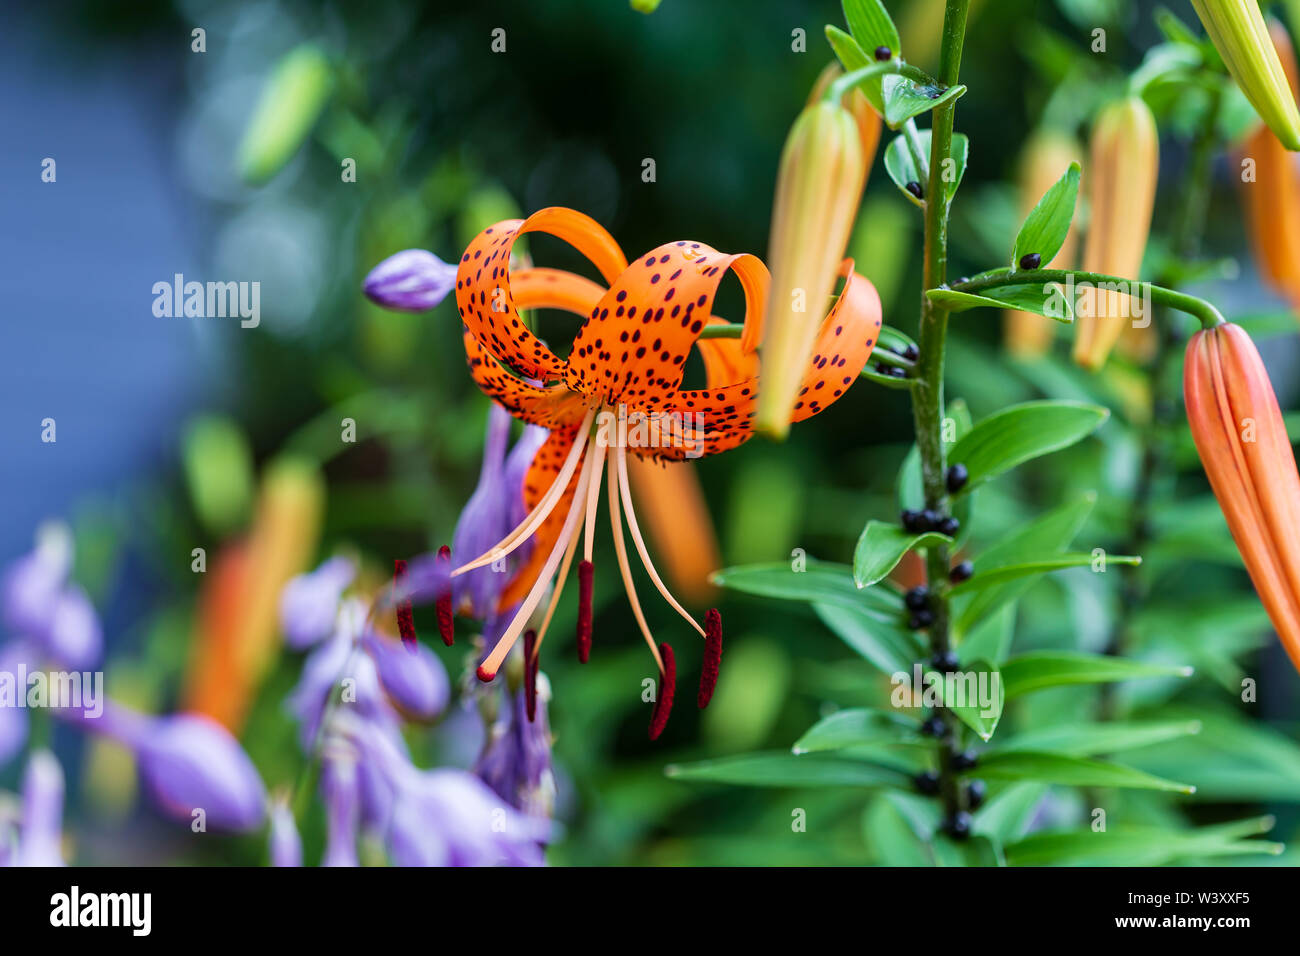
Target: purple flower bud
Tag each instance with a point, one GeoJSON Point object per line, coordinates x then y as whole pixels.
{"type": "Point", "coordinates": [340, 792]}
{"type": "Point", "coordinates": [517, 465]}
{"type": "Point", "coordinates": [31, 585]}
{"type": "Point", "coordinates": [410, 281]}
{"type": "Point", "coordinates": [516, 758]}
{"type": "Point", "coordinates": [416, 683]}
{"type": "Point", "coordinates": [309, 604]}
{"type": "Point", "coordinates": [190, 762]}
{"type": "Point", "coordinates": [285, 843]}
{"type": "Point", "coordinates": [13, 720]}
{"type": "Point", "coordinates": [42, 819]}
{"type": "Point", "coordinates": [484, 521]}
{"type": "Point", "coordinates": [74, 638]}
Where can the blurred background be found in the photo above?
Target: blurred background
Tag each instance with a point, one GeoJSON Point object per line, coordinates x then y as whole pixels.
{"type": "Point", "coordinates": [168, 427]}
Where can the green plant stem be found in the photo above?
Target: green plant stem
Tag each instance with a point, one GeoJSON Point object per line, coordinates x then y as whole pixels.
{"type": "Point", "coordinates": [927, 390]}
{"type": "Point", "coordinates": [1203, 311]}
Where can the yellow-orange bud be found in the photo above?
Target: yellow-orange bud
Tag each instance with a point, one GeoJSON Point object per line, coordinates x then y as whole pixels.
{"type": "Point", "coordinates": [1272, 194]}
{"type": "Point", "coordinates": [1124, 158]}
{"type": "Point", "coordinates": [1236, 27]}
{"type": "Point", "coordinates": [1047, 154]}
{"type": "Point", "coordinates": [1243, 445]}
{"type": "Point", "coordinates": [818, 188]}
{"type": "Point", "coordinates": [238, 623]}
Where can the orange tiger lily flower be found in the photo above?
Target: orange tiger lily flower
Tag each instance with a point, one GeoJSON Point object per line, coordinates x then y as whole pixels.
{"type": "Point", "coordinates": [620, 391]}
{"type": "Point", "coordinates": [1243, 445]}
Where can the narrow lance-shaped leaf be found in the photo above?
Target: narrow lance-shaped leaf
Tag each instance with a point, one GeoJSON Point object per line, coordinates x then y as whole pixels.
{"type": "Point", "coordinates": [1040, 669]}
{"type": "Point", "coordinates": [1023, 432]}
{"type": "Point", "coordinates": [882, 545]}
{"type": "Point", "coordinates": [1072, 771]}
{"type": "Point", "coordinates": [1047, 225]}
{"type": "Point", "coordinates": [788, 770]}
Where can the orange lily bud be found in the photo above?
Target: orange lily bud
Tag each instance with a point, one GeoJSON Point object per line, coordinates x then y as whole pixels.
{"type": "Point", "coordinates": [1272, 194]}
{"type": "Point", "coordinates": [1243, 445]}
{"type": "Point", "coordinates": [669, 499]}
{"type": "Point", "coordinates": [1046, 155]}
{"type": "Point", "coordinates": [238, 622]}
{"type": "Point", "coordinates": [818, 187]}
{"type": "Point", "coordinates": [1123, 162]}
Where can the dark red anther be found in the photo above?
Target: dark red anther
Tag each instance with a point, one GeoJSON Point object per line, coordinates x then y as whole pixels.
{"type": "Point", "coordinates": [530, 673]}
{"type": "Point", "coordinates": [446, 621]}
{"type": "Point", "coordinates": [585, 570]}
{"type": "Point", "coordinates": [712, 656]}
{"type": "Point", "coordinates": [405, 617]}
{"type": "Point", "coordinates": [667, 687]}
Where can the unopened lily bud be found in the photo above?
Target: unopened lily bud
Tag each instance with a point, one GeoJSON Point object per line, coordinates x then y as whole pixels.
{"type": "Point", "coordinates": [1236, 27]}
{"type": "Point", "coordinates": [819, 184]}
{"type": "Point", "coordinates": [1047, 154]}
{"type": "Point", "coordinates": [410, 281]}
{"type": "Point", "coordinates": [1124, 160]}
{"type": "Point", "coordinates": [1243, 445]}
{"type": "Point", "coordinates": [1272, 194]}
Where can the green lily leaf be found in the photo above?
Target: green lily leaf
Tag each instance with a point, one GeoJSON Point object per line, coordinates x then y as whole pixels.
{"type": "Point", "coordinates": [871, 25]}
{"type": "Point", "coordinates": [1048, 300]}
{"type": "Point", "coordinates": [990, 640]}
{"type": "Point", "coordinates": [1039, 669]}
{"type": "Point", "coordinates": [901, 166]}
{"type": "Point", "coordinates": [788, 770]}
{"type": "Point", "coordinates": [1140, 845]}
{"type": "Point", "coordinates": [888, 834]}
{"type": "Point", "coordinates": [889, 381]}
{"type": "Point", "coordinates": [1072, 771]}
{"type": "Point", "coordinates": [904, 98]}
{"type": "Point", "coordinates": [1048, 223]}
{"type": "Point", "coordinates": [992, 576]}
{"type": "Point", "coordinates": [978, 679]}
{"type": "Point", "coordinates": [820, 582]}
{"type": "Point", "coordinates": [882, 640]}
{"type": "Point", "coordinates": [1045, 535]}
{"type": "Point", "coordinates": [857, 726]}
{"type": "Point", "coordinates": [1022, 432]}
{"type": "Point", "coordinates": [882, 545]}
{"type": "Point", "coordinates": [1008, 814]}
{"type": "Point", "coordinates": [977, 850]}
{"type": "Point", "coordinates": [1085, 740]}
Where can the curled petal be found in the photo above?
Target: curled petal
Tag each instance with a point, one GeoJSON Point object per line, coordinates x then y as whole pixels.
{"type": "Point", "coordinates": [416, 683]}
{"type": "Point", "coordinates": [309, 603]}
{"type": "Point", "coordinates": [483, 285]}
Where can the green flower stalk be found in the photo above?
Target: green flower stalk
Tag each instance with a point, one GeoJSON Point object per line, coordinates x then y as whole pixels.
{"type": "Point", "coordinates": [1237, 30]}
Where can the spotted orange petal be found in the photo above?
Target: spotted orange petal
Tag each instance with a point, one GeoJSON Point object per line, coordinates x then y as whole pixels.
{"type": "Point", "coordinates": [726, 361]}
{"type": "Point", "coordinates": [843, 346]}
{"type": "Point", "coordinates": [487, 303]}
{"type": "Point", "coordinates": [633, 346]}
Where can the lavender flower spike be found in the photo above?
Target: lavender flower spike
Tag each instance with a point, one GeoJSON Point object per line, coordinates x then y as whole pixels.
{"type": "Point", "coordinates": [483, 522]}
{"type": "Point", "coordinates": [516, 757]}
{"type": "Point", "coordinates": [417, 684]}
{"type": "Point", "coordinates": [285, 843]}
{"type": "Point", "coordinates": [42, 819]}
{"type": "Point", "coordinates": [410, 281]}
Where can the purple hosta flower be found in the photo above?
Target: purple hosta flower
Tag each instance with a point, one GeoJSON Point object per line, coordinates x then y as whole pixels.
{"type": "Point", "coordinates": [189, 762]}
{"type": "Point", "coordinates": [414, 682]}
{"type": "Point", "coordinates": [378, 677]}
{"type": "Point", "coordinates": [13, 720]}
{"type": "Point", "coordinates": [41, 827]}
{"type": "Point", "coordinates": [483, 522]}
{"type": "Point", "coordinates": [410, 281]}
{"type": "Point", "coordinates": [309, 604]}
{"type": "Point", "coordinates": [516, 759]}
{"type": "Point", "coordinates": [285, 845]}
{"type": "Point", "coordinates": [38, 603]}
{"type": "Point", "coordinates": [446, 817]}
{"type": "Point", "coordinates": [517, 465]}
{"type": "Point", "coordinates": [340, 785]}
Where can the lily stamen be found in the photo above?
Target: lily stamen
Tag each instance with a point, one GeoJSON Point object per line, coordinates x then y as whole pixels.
{"type": "Point", "coordinates": [528, 527]}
